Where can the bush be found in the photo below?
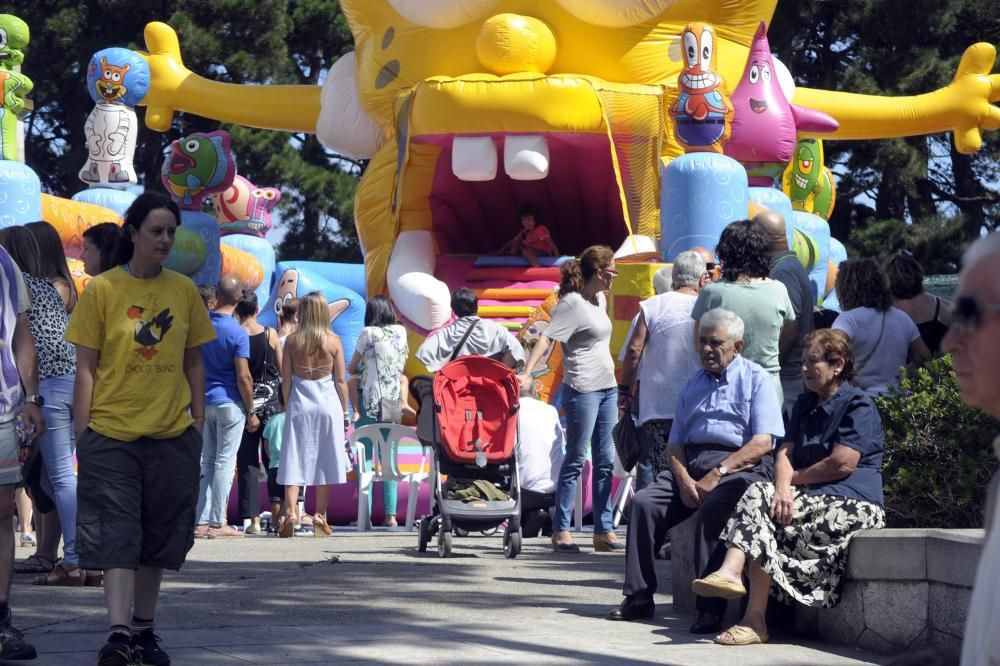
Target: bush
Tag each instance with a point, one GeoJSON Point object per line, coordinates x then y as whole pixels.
{"type": "Point", "coordinates": [938, 452]}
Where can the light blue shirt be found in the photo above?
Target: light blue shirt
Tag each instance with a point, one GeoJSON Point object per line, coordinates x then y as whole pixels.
{"type": "Point", "coordinates": [728, 410]}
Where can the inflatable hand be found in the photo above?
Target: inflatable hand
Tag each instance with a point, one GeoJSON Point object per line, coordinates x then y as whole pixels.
{"type": "Point", "coordinates": [173, 87]}
{"type": "Point", "coordinates": [965, 106]}
{"type": "Point", "coordinates": [973, 93]}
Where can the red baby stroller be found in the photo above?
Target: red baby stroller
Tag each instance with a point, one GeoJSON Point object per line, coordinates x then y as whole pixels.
{"type": "Point", "coordinates": [472, 435]}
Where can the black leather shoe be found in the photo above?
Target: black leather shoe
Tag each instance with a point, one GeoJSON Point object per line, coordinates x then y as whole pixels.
{"type": "Point", "coordinates": [707, 623]}
{"type": "Point", "coordinates": [631, 610]}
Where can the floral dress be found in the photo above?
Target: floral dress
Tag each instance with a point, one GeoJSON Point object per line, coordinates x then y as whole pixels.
{"type": "Point", "coordinates": [383, 352]}
{"type": "Point", "coordinates": [807, 558]}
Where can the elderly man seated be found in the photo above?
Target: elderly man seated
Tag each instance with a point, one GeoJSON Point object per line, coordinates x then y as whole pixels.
{"type": "Point", "coordinates": [469, 335]}
{"type": "Point", "coordinates": [720, 443]}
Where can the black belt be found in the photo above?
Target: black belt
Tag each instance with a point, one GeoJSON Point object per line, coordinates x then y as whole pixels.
{"type": "Point", "coordinates": [706, 121]}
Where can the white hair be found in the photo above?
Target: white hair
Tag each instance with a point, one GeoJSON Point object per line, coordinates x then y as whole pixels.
{"type": "Point", "coordinates": [719, 319]}
{"type": "Point", "coordinates": [983, 247]}
{"type": "Point", "coordinates": [662, 279]}
{"type": "Point", "coordinates": [688, 268]}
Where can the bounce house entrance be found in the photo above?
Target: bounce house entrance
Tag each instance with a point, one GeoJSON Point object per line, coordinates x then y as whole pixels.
{"type": "Point", "coordinates": [579, 199]}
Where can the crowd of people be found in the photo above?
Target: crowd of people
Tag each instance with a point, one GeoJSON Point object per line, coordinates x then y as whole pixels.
{"type": "Point", "coordinates": [752, 413]}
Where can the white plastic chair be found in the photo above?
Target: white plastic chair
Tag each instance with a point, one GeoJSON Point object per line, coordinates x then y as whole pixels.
{"type": "Point", "coordinates": [386, 438]}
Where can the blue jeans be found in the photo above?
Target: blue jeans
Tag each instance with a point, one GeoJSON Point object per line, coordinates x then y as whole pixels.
{"type": "Point", "coordinates": [56, 447]}
{"type": "Point", "coordinates": [221, 440]}
{"type": "Point", "coordinates": [589, 418]}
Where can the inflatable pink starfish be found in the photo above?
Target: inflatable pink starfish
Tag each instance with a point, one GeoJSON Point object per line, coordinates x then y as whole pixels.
{"type": "Point", "coordinates": [765, 122]}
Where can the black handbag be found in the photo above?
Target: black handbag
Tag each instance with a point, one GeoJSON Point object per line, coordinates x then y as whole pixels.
{"type": "Point", "coordinates": [267, 398]}
{"type": "Point", "coordinates": [628, 437]}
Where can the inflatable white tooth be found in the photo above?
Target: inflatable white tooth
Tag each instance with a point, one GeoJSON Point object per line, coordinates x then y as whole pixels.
{"type": "Point", "coordinates": [343, 126]}
{"type": "Point", "coordinates": [474, 158]}
{"type": "Point", "coordinates": [419, 296]}
{"type": "Point", "coordinates": [526, 157]}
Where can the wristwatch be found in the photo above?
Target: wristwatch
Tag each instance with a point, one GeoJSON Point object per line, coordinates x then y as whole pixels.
{"type": "Point", "coordinates": [722, 470]}
{"type": "Point", "coordinates": [35, 400]}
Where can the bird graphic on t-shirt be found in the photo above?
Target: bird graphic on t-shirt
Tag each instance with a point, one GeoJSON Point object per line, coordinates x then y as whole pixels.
{"type": "Point", "coordinates": [150, 333]}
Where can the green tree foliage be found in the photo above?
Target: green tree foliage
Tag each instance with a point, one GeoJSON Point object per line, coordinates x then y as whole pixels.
{"type": "Point", "coordinates": [919, 191]}
{"type": "Point", "coordinates": [238, 41]}
{"type": "Point", "coordinates": [938, 452]}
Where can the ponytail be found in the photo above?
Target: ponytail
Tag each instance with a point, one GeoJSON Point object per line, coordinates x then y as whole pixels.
{"type": "Point", "coordinates": [136, 214]}
{"type": "Point", "coordinates": [572, 278]}
{"type": "Point", "coordinates": [576, 272]}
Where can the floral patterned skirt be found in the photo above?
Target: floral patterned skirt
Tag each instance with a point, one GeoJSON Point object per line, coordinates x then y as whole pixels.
{"type": "Point", "coordinates": [807, 558]}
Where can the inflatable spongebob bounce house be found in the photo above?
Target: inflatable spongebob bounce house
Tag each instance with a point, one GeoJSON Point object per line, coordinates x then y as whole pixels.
{"type": "Point", "coordinates": [646, 125]}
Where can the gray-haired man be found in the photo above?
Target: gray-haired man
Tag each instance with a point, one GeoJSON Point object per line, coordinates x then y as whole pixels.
{"type": "Point", "coordinates": [726, 419]}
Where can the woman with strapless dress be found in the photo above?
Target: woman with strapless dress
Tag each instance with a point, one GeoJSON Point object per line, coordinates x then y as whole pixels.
{"type": "Point", "coordinates": [316, 418]}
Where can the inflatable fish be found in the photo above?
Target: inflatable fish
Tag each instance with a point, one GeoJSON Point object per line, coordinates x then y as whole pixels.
{"type": "Point", "coordinates": [198, 165]}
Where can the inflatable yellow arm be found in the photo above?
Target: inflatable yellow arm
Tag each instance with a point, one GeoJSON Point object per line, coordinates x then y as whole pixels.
{"type": "Point", "coordinates": [173, 87]}
{"type": "Point", "coordinates": [965, 106]}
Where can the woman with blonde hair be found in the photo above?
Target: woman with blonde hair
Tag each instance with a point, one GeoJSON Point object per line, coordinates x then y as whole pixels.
{"type": "Point", "coordinates": [590, 397]}
{"type": "Point", "coordinates": [316, 413]}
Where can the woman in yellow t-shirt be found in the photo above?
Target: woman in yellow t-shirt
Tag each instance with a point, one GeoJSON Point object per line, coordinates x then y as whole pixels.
{"type": "Point", "coordinates": [139, 406]}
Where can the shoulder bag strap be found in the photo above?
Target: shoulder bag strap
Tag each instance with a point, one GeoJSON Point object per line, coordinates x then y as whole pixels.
{"type": "Point", "coordinates": [461, 343]}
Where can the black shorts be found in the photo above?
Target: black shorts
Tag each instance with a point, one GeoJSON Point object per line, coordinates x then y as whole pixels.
{"type": "Point", "coordinates": [136, 500]}
{"type": "Point", "coordinates": [275, 491]}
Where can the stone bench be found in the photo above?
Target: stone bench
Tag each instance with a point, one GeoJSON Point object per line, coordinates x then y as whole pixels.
{"type": "Point", "coordinates": [905, 589]}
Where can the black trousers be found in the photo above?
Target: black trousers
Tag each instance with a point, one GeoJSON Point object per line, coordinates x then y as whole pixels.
{"type": "Point", "coordinates": [658, 507]}
{"type": "Point", "coordinates": [247, 473]}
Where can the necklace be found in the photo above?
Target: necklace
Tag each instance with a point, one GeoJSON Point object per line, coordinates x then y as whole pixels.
{"type": "Point", "coordinates": [127, 267]}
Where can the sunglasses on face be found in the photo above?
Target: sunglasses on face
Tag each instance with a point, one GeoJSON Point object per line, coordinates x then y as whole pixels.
{"type": "Point", "coordinates": [968, 314]}
{"type": "Point", "coordinates": [610, 272]}
{"type": "Point", "coordinates": [710, 265]}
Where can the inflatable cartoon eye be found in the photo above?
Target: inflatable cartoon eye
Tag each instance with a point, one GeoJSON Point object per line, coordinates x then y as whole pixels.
{"type": "Point", "coordinates": [279, 303]}
{"type": "Point", "coordinates": [754, 74]}
{"type": "Point", "coordinates": [3, 38]}
{"type": "Point", "coordinates": [765, 73]}
{"type": "Point", "coordinates": [192, 145]}
{"type": "Point", "coordinates": [107, 74]}
{"type": "Point", "coordinates": [690, 49]}
{"type": "Point", "coordinates": [616, 13]}
{"type": "Point", "coordinates": [443, 14]}
{"type": "Point", "coordinates": [268, 194]}
{"type": "Point", "coordinates": [116, 77]}
{"type": "Point", "coordinates": [707, 44]}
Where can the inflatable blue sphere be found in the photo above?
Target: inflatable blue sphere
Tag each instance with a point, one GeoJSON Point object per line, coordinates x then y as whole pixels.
{"type": "Point", "coordinates": [116, 200]}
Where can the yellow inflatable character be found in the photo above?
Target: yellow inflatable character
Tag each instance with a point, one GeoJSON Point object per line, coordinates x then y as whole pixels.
{"type": "Point", "coordinates": [469, 109]}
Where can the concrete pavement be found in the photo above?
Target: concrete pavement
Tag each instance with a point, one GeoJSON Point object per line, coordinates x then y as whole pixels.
{"type": "Point", "coordinates": [371, 597]}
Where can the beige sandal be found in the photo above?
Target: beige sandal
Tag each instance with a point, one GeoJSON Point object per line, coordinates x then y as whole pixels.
{"type": "Point", "coordinates": [714, 585]}
{"type": "Point", "coordinates": [740, 635]}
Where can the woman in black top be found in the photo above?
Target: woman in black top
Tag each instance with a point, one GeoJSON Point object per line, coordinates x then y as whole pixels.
{"type": "Point", "coordinates": [930, 314]}
{"type": "Point", "coordinates": [264, 361]}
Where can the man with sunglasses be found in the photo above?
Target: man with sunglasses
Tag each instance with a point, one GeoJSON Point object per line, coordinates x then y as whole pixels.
{"type": "Point", "coordinates": [972, 342]}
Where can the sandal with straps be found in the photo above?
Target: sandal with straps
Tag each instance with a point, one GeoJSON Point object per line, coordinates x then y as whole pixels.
{"type": "Point", "coordinates": [60, 576]}
{"type": "Point", "coordinates": [34, 564]}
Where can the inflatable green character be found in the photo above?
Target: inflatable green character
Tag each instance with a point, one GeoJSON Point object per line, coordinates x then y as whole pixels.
{"type": "Point", "coordinates": [14, 86]}
{"type": "Point", "coordinates": [807, 182]}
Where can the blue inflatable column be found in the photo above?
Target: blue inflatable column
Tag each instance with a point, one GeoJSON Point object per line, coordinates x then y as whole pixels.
{"type": "Point", "coordinates": [818, 230]}
{"type": "Point", "coordinates": [20, 194]}
{"type": "Point", "coordinates": [700, 193]}
{"type": "Point", "coordinates": [263, 251]}
{"type": "Point", "coordinates": [777, 201]}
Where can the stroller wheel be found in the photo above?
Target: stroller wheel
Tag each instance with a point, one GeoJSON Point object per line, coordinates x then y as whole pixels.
{"type": "Point", "coordinates": [424, 536]}
{"type": "Point", "coordinates": [444, 543]}
{"type": "Point", "coordinates": [459, 532]}
{"type": "Point", "coordinates": [511, 544]}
